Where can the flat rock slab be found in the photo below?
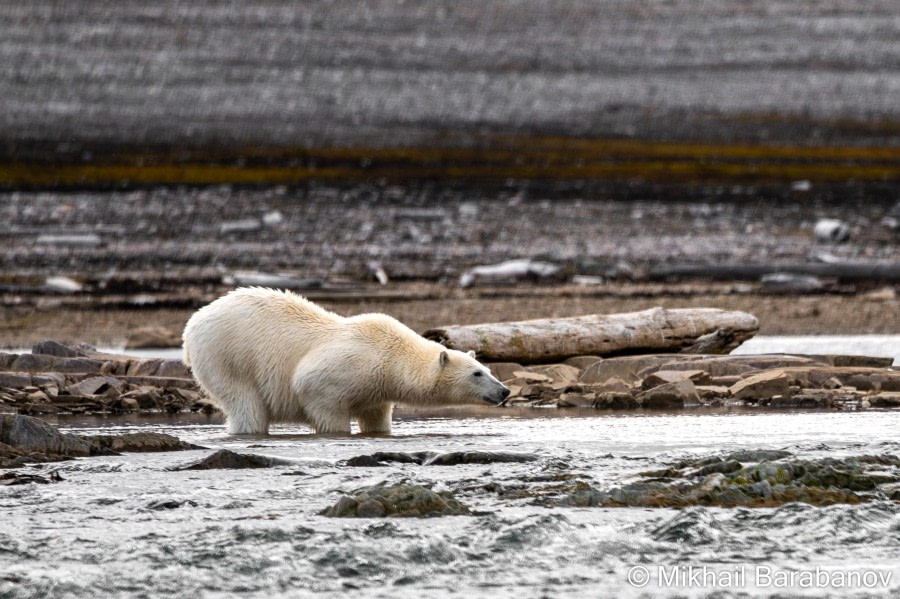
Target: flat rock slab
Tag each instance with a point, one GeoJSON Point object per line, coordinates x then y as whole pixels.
{"type": "Point", "coordinates": [661, 377]}
{"type": "Point", "coordinates": [403, 501]}
{"type": "Point", "coordinates": [627, 368]}
{"type": "Point", "coordinates": [229, 460]}
{"type": "Point", "coordinates": [764, 385]}
{"type": "Point", "coordinates": [96, 385]}
{"type": "Point", "coordinates": [429, 458]}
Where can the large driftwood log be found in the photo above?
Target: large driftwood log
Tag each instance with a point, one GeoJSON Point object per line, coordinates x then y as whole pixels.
{"type": "Point", "coordinates": [553, 339]}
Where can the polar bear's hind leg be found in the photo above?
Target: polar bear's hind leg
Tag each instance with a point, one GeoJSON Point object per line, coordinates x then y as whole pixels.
{"type": "Point", "coordinates": [244, 409]}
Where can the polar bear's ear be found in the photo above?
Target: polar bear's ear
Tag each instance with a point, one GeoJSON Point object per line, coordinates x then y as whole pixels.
{"type": "Point", "coordinates": [445, 359]}
{"type": "Point", "coordinates": [471, 353]}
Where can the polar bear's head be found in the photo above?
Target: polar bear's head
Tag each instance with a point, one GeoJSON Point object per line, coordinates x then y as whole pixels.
{"type": "Point", "coordinates": [462, 379]}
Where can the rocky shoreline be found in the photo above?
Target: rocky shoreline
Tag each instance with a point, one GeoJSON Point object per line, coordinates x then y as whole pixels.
{"type": "Point", "coordinates": [60, 379]}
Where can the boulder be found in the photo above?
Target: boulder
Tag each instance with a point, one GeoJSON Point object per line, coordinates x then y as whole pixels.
{"type": "Point", "coordinates": [503, 371]}
{"type": "Point", "coordinates": [402, 500]}
{"type": "Point", "coordinates": [17, 478]}
{"type": "Point", "coordinates": [613, 400]}
{"type": "Point", "coordinates": [885, 399]}
{"type": "Point", "coordinates": [32, 435]}
{"type": "Point", "coordinates": [764, 385]}
{"type": "Point", "coordinates": [96, 385]}
{"type": "Point", "coordinates": [559, 373]}
{"type": "Point", "coordinates": [225, 459]}
{"type": "Point", "coordinates": [48, 347]}
{"type": "Point", "coordinates": [128, 404]}
{"type": "Point", "coordinates": [35, 363]}
{"type": "Point", "coordinates": [531, 377]}
{"type": "Point", "coordinates": [577, 400]}
{"type": "Point", "coordinates": [173, 369]}
{"type": "Point", "coordinates": [6, 360]}
{"type": "Point", "coordinates": [670, 395]}
{"type": "Point", "coordinates": [661, 377]}
{"type": "Point", "coordinates": [15, 380]}
{"type": "Point", "coordinates": [877, 379]}
{"type": "Point", "coordinates": [48, 378]}
{"type": "Point", "coordinates": [147, 367]}
{"type": "Point", "coordinates": [613, 385]}
{"type": "Point", "coordinates": [146, 397]}
{"type": "Point", "coordinates": [713, 392]}
{"type": "Point", "coordinates": [807, 398]}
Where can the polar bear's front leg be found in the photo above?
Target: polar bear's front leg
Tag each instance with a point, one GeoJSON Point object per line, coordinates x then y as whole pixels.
{"type": "Point", "coordinates": [376, 419]}
{"type": "Point", "coordinates": [333, 424]}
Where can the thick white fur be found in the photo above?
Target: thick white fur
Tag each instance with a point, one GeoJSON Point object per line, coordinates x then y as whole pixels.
{"type": "Point", "coordinates": [268, 356]}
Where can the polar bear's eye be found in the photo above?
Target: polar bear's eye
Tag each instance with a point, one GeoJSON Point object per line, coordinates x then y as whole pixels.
{"type": "Point", "coordinates": [477, 374]}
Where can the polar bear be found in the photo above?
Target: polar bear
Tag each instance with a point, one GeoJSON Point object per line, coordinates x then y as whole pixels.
{"type": "Point", "coordinates": [266, 356]}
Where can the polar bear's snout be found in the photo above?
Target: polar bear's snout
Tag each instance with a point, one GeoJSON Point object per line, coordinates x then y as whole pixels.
{"type": "Point", "coordinates": [497, 397]}
{"type": "Point", "coordinates": [493, 390]}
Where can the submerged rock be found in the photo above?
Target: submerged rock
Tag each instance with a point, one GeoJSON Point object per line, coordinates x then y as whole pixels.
{"type": "Point", "coordinates": [430, 458]}
{"type": "Point", "coordinates": [16, 478]}
{"type": "Point", "coordinates": [170, 504]}
{"type": "Point", "coordinates": [726, 483]}
{"type": "Point", "coordinates": [225, 459]}
{"type": "Point", "coordinates": [136, 442]}
{"type": "Point", "coordinates": [402, 500]}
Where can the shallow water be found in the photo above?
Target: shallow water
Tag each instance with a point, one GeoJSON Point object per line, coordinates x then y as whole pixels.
{"type": "Point", "coordinates": [256, 533]}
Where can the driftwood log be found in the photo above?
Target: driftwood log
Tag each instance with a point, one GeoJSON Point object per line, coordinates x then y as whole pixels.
{"type": "Point", "coordinates": [554, 339]}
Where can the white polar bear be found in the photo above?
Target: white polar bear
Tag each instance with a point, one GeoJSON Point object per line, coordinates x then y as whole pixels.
{"type": "Point", "coordinates": [266, 356]}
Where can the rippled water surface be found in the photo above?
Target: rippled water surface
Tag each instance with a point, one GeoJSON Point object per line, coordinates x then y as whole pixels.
{"type": "Point", "coordinates": [256, 533]}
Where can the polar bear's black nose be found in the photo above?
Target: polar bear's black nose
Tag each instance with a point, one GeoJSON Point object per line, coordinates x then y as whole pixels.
{"type": "Point", "coordinates": [505, 393]}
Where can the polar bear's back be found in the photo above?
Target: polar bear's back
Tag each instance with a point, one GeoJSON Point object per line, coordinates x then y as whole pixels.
{"type": "Point", "coordinates": [248, 323]}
